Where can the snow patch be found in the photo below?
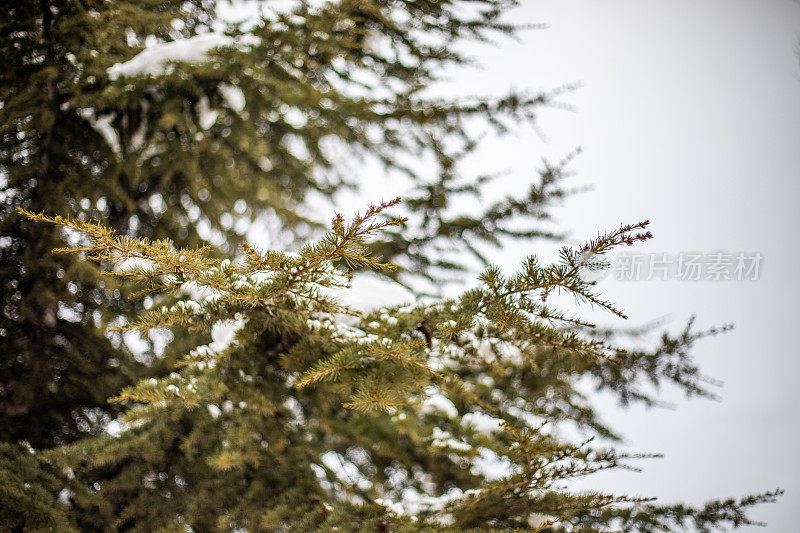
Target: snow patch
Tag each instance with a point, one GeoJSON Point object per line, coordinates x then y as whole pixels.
{"type": "Point", "coordinates": [435, 401]}
{"type": "Point", "coordinates": [153, 60]}
{"type": "Point", "coordinates": [443, 439]}
{"type": "Point", "coordinates": [482, 423]}
{"type": "Point", "coordinates": [64, 497]}
{"type": "Point", "coordinates": [491, 466]}
{"type": "Point", "coordinates": [223, 333]}
{"type": "Point", "coordinates": [206, 117]}
{"type": "Point", "coordinates": [233, 96]}
{"type": "Point", "coordinates": [395, 507]}
{"type": "Point", "coordinates": [114, 428]}
{"type": "Point", "coordinates": [102, 125]}
{"type": "Point", "coordinates": [345, 470]}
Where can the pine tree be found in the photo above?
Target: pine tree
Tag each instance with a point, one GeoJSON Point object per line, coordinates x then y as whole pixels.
{"type": "Point", "coordinates": [159, 118]}
{"type": "Point", "coordinates": [132, 122]}
{"type": "Point", "coordinates": [437, 415]}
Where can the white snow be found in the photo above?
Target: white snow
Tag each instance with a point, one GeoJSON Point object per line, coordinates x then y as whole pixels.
{"type": "Point", "coordinates": [415, 502]}
{"type": "Point", "coordinates": [64, 497]}
{"type": "Point", "coordinates": [443, 439]}
{"type": "Point", "coordinates": [153, 60]}
{"type": "Point", "coordinates": [395, 507]}
{"type": "Point", "coordinates": [206, 116]}
{"type": "Point", "coordinates": [481, 422]}
{"type": "Point", "coordinates": [233, 96]}
{"type": "Point", "coordinates": [114, 428]}
{"type": "Point", "coordinates": [345, 470]}
{"type": "Point", "coordinates": [102, 125]}
{"type": "Point", "coordinates": [435, 401]}
{"type": "Point", "coordinates": [135, 343]}
{"type": "Point", "coordinates": [294, 407]}
{"type": "Point", "coordinates": [139, 136]}
{"type": "Point", "coordinates": [491, 466]}
{"type": "Point", "coordinates": [190, 306]}
{"type": "Point", "coordinates": [223, 333]}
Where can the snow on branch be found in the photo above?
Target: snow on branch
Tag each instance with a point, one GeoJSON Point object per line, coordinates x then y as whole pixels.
{"type": "Point", "coordinates": [153, 60]}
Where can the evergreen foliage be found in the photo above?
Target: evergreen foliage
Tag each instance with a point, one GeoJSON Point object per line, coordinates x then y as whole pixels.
{"type": "Point", "coordinates": [438, 415]}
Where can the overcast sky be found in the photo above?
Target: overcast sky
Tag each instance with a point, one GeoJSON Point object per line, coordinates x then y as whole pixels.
{"type": "Point", "coordinates": [689, 116]}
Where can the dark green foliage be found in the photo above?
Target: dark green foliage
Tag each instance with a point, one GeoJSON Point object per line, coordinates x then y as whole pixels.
{"type": "Point", "coordinates": [57, 365]}
{"type": "Point", "coordinates": [36, 494]}
{"type": "Point", "coordinates": [29, 490]}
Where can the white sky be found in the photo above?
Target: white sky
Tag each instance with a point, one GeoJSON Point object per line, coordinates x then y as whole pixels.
{"type": "Point", "coordinates": [689, 116]}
